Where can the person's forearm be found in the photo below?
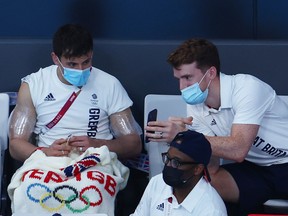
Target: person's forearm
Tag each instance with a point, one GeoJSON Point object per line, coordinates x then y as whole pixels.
{"type": "Point", "coordinates": [20, 149]}
{"type": "Point", "coordinates": [126, 146]}
{"type": "Point", "coordinates": [227, 148]}
{"type": "Point", "coordinates": [237, 145]}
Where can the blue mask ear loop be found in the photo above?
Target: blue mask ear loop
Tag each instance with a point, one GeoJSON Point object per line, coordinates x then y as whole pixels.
{"type": "Point", "coordinates": [202, 80]}
{"type": "Point", "coordinates": [62, 72]}
{"type": "Point", "coordinates": [209, 84]}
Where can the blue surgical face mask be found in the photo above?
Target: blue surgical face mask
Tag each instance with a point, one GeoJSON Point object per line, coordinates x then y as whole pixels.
{"type": "Point", "coordinates": [76, 77]}
{"type": "Point", "coordinates": [193, 94]}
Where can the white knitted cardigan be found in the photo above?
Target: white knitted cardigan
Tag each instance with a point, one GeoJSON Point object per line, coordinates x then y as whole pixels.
{"type": "Point", "coordinates": [84, 184]}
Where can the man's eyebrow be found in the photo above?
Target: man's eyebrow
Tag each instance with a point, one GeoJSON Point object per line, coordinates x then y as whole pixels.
{"type": "Point", "coordinates": [177, 158]}
{"type": "Point", "coordinates": [74, 62]}
{"type": "Point", "coordinates": [88, 59]}
{"type": "Point", "coordinates": [188, 75]}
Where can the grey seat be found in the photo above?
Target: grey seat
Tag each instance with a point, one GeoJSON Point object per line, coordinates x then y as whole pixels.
{"type": "Point", "coordinates": [4, 113]}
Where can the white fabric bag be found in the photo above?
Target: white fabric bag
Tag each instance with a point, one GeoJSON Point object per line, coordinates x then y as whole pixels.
{"type": "Point", "coordinates": [86, 184]}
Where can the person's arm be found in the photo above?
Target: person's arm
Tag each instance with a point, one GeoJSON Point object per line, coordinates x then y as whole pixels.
{"type": "Point", "coordinates": [236, 146]}
{"type": "Point", "coordinates": [252, 99]}
{"type": "Point", "coordinates": [21, 125]}
{"type": "Point", "coordinates": [127, 142]}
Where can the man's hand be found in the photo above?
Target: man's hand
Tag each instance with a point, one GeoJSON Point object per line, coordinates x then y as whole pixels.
{"type": "Point", "coordinates": [165, 131]}
{"type": "Point", "coordinates": [58, 148]}
{"type": "Point", "coordinates": [81, 143]}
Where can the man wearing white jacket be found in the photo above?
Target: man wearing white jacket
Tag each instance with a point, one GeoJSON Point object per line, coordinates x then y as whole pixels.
{"type": "Point", "coordinates": [183, 187]}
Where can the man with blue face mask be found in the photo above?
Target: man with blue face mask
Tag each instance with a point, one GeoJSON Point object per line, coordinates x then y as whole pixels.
{"type": "Point", "coordinates": [193, 94]}
{"type": "Point", "coordinates": [243, 119]}
{"type": "Point", "coordinates": [183, 187]}
{"type": "Point", "coordinates": [73, 99]}
{"type": "Point", "coordinates": [74, 76]}
{"type": "Point", "coordinates": [72, 107]}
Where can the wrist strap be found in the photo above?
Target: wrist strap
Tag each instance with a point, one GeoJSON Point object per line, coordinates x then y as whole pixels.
{"type": "Point", "coordinates": [39, 148]}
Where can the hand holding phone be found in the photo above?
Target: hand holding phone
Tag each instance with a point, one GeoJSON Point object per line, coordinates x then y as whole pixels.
{"type": "Point", "coordinates": [152, 116]}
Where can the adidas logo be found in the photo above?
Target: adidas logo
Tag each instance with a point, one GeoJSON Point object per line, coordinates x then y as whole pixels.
{"type": "Point", "coordinates": [160, 207]}
{"type": "Point", "coordinates": [49, 97]}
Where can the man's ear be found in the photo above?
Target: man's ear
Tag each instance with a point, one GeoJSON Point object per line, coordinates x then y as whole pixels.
{"type": "Point", "coordinates": [212, 73]}
{"type": "Point", "coordinates": [55, 59]}
{"type": "Point", "coordinates": [198, 170]}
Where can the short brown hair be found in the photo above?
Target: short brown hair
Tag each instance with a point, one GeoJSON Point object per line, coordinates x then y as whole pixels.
{"type": "Point", "coordinates": [72, 40]}
{"type": "Point", "coordinates": [201, 51]}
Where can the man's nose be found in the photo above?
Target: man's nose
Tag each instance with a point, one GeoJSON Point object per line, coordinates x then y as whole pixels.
{"type": "Point", "coordinates": [182, 84]}
{"type": "Point", "coordinates": [80, 67]}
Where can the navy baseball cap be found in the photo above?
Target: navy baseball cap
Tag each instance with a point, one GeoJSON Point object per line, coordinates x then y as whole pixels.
{"type": "Point", "coordinates": [196, 146]}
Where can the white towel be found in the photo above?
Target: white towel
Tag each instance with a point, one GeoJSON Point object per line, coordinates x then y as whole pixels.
{"type": "Point", "coordinates": [88, 183]}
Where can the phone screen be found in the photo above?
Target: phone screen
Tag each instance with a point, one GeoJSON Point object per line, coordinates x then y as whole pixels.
{"type": "Point", "coordinates": [152, 116]}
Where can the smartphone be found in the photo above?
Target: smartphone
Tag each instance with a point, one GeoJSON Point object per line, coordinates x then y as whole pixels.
{"type": "Point", "coordinates": [152, 116]}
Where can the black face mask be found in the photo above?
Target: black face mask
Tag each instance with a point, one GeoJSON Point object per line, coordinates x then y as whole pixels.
{"type": "Point", "coordinates": [173, 177]}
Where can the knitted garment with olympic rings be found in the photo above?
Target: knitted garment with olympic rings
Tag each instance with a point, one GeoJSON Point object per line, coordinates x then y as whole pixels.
{"type": "Point", "coordinates": [86, 184]}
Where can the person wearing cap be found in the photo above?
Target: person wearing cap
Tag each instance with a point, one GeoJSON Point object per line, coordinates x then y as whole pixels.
{"type": "Point", "coordinates": [243, 118]}
{"type": "Point", "coordinates": [183, 187]}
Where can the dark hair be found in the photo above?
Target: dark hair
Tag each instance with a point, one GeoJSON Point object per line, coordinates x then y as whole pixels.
{"type": "Point", "coordinates": [72, 40]}
{"type": "Point", "coordinates": [201, 51]}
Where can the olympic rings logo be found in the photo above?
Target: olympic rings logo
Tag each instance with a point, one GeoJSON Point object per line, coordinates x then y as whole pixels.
{"type": "Point", "coordinates": [64, 195]}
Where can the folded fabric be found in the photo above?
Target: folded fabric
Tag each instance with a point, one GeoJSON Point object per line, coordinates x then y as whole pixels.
{"type": "Point", "coordinates": [86, 184]}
